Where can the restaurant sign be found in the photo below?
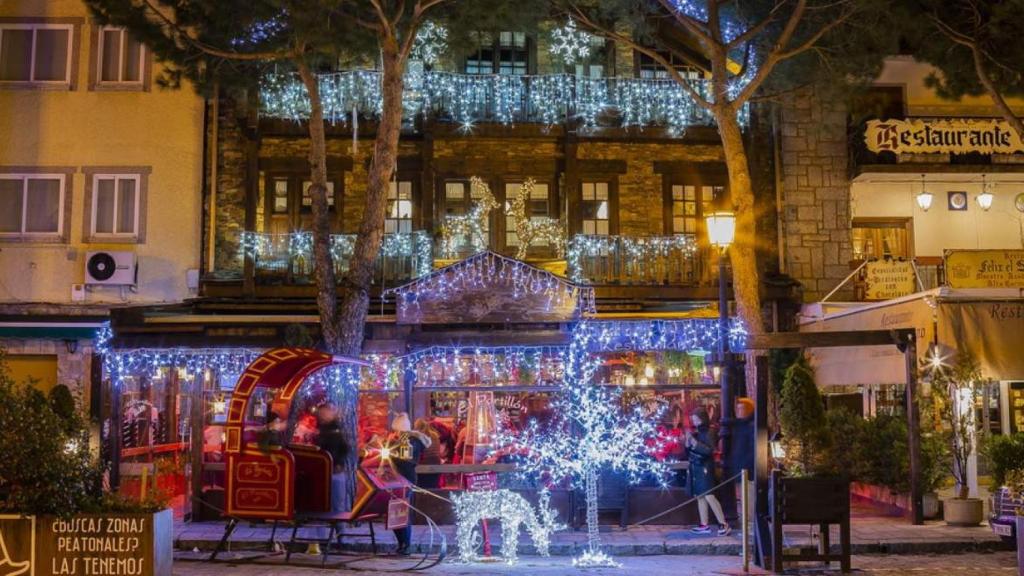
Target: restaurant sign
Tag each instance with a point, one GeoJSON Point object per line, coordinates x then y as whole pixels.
{"type": "Point", "coordinates": [985, 268]}
{"type": "Point", "coordinates": [942, 137]}
{"type": "Point", "coordinates": [888, 279]}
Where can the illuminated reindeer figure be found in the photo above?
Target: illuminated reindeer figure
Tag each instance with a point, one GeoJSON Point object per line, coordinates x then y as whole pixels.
{"type": "Point", "coordinates": [529, 229]}
{"type": "Point", "coordinates": [513, 511]}
{"type": "Point", "coordinates": [470, 224]}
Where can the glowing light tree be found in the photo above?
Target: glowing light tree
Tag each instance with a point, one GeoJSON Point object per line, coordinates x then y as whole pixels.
{"type": "Point", "coordinates": [590, 431]}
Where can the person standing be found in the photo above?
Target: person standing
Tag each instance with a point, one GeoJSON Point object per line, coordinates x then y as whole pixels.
{"type": "Point", "coordinates": [431, 455]}
{"type": "Point", "coordinates": [407, 446]}
{"type": "Point", "coordinates": [700, 446]}
{"type": "Point", "coordinates": [331, 439]}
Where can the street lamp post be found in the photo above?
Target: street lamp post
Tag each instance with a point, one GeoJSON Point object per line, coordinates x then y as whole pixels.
{"type": "Point", "coordinates": [721, 228]}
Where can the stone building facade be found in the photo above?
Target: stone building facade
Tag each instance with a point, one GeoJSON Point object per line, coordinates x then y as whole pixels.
{"type": "Point", "coordinates": [815, 191]}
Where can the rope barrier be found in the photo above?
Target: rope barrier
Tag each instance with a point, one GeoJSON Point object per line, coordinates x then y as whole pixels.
{"type": "Point", "coordinates": [691, 500]}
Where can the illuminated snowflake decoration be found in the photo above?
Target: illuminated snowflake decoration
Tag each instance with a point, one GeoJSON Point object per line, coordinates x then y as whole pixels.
{"type": "Point", "coordinates": [570, 44]}
{"type": "Point", "coordinates": [513, 511]}
{"type": "Point", "coordinates": [590, 431]}
{"type": "Point", "coordinates": [431, 41]}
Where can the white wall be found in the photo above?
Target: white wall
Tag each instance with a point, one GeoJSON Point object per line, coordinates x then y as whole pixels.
{"type": "Point", "coordinates": [938, 229]}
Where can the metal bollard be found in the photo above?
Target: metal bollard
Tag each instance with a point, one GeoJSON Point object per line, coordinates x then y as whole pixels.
{"type": "Point", "coordinates": [745, 520]}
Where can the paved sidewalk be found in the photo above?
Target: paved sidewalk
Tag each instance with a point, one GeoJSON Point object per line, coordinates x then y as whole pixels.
{"type": "Point", "coordinates": [871, 535]}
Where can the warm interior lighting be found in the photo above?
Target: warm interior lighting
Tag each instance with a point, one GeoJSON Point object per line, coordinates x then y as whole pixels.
{"type": "Point", "coordinates": [721, 228]}
{"type": "Point", "coordinates": [778, 450]}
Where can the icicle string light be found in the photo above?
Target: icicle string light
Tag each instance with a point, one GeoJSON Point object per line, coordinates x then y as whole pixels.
{"type": "Point", "coordinates": [634, 250]}
{"type": "Point", "coordinates": [486, 270]}
{"type": "Point", "coordinates": [505, 99]}
{"type": "Point", "coordinates": [267, 246]}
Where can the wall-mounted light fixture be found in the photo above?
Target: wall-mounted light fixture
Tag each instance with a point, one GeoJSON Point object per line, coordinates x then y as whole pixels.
{"type": "Point", "coordinates": [986, 197]}
{"type": "Point", "coordinates": [924, 198]}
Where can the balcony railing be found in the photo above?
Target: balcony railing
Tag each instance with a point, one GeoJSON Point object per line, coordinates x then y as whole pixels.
{"type": "Point", "coordinates": [506, 99]}
{"type": "Point", "coordinates": [636, 260]}
{"type": "Point", "coordinates": [288, 258]}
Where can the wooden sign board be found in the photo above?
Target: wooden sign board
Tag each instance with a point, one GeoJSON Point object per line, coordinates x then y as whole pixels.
{"type": "Point", "coordinates": [87, 545]}
{"type": "Point", "coordinates": [888, 279]}
{"type": "Point", "coordinates": [984, 268]}
{"type": "Point", "coordinates": [942, 137]}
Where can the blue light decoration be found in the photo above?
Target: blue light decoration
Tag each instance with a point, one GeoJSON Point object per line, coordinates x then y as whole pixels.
{"type": "Point", "coordinates": [441, 367]}
{"type": "Point", "coordinates": [590, 431]}
{"type": "Point", "coordinates": [261, 246]}
{"type": "Point", "coordinates": [486, 269]}
{"type": "Point", "coordinates": [506, 99]}
{"type": "Point", "coordinates": [637, 250]}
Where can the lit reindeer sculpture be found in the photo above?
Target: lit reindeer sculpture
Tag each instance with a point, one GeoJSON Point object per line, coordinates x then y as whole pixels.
{"type": "Point", "coordinates": [529, 229]}
{"type": "Point", "coordinates": [470, 224]}
{"type": "Point", "coordinates": [513, 511]}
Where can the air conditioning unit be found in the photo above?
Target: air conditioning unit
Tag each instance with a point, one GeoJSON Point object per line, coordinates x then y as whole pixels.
{"type": "Point", "coordinates": [110, 268]}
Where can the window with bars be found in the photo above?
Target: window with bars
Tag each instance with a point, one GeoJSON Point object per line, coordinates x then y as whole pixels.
{"type": "Point", "coordinates": [648, 67]}
{"type": "Point", "coordinates": [538, 207]}
{"type": "Point", "coordinates": [595, 208]}
{"type": "Point", "coordinates": [504, 53]}
{"type": "Point", "coordinates": [398, 219]}
{"type": "Point", "coordinates": [115, 205]}
{"type": "Point", "coordinates": [31, 204]}
{"type": "Point", "coordinates": [288, 204]}
{"type": "Point", "coordinates": [121, 57]}
{"type": "Point", "coordinates": [36, 53]}
{"type": "Point", "coordinates": [687, 205]}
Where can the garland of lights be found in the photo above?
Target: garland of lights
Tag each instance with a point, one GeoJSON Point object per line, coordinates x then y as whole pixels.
{"type": "Point", "coordinates": [513, 510]}
{"type": "Point", "coordinates": [569, 44]}
{"type": "Point", "coordinates": [506, 99]}
{"type": "Point", "coordinates": [631, 251]}
{"type": "Point", "coordinates": [439, 366]}
{"type": "Point", "coordinates": [548, 231]}
{"type": "Point", "coordinates": [263, 246]}
{"type": "Point", "coordinates": [487, 269]}
{"type": "Point", "coordinates": [591, 431]}
{"type": "Point", "coordinates": [469, 226]}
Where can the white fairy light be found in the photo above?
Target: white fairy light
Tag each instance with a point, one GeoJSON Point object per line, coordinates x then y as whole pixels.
{"type": "Point", "coordinates": [431, 41]}
{"type": "Point", "coordinates": [590, 431]}
{"type": "Point", "coordinates": [262, 246]}
{"type": "Point", "coordinates": [468, 99]}
{"type": "Point", "coordinates": [513, 511]}
{"type": "Point", "coordinates": [569, 44]}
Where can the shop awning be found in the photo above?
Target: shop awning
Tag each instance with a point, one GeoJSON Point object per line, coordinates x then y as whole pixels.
{"type": "Point", "coordinates": [988, 323]}
{"type": "Point", "coordinates": [49, 330]}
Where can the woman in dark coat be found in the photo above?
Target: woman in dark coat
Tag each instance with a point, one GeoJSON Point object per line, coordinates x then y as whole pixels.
{"type": "Point", "coordinates": [700, 446]}
{"type": "Point", "coordinates": [408, 446]}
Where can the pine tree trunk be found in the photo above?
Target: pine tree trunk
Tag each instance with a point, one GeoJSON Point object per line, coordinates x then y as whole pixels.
{"type": "Point", "coordinates": [743, 255]}
{"type": "Point", "coordinates": [323, 263]}
{"type": "Point", "coordinates": [993, 92]}
{"type": "Point", "coordinates": [356, 284]}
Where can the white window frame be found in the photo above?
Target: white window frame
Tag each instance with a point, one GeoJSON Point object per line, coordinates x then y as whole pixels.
{"type": "Point", "coordinates": [24, 178]}
{"type": "Point", "coordinates": [32, 65]}
{"type": "Point", "coordinates": [101, 48]}
{"type": "Point", "coordinates": [117, 178]}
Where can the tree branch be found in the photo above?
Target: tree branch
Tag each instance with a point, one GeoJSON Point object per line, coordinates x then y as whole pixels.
{"type": "Point", "coordinates": [178, 32]}
{"type": "Point", "coordinates": [598, 30]}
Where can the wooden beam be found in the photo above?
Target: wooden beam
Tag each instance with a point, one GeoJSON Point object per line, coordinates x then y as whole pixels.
{"type": "Point", "coordinates": [776, 340]}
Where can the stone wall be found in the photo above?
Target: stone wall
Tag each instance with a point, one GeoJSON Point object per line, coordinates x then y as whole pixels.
{"type": "Point", "coordinates": [815, 192]}
{"type": "Point", "coordinates": [230, 189]}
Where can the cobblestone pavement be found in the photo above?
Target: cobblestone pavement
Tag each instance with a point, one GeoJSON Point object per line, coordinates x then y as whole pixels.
{"type": "Point", "coordinates": [991, 564]}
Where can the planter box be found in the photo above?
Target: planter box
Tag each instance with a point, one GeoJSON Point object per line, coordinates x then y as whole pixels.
{"type": "Point", "coordinates": [898, 503]}
{"type": "Point", "coordinates": [963, 512]}
{"type": "Point", "coordinates": [89, 544]}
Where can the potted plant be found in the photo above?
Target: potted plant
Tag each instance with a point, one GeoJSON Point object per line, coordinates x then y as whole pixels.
{"type": "Point", "coordinates": [953, 390]}
{"type": "Point", "coordinates": [53, 510]}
